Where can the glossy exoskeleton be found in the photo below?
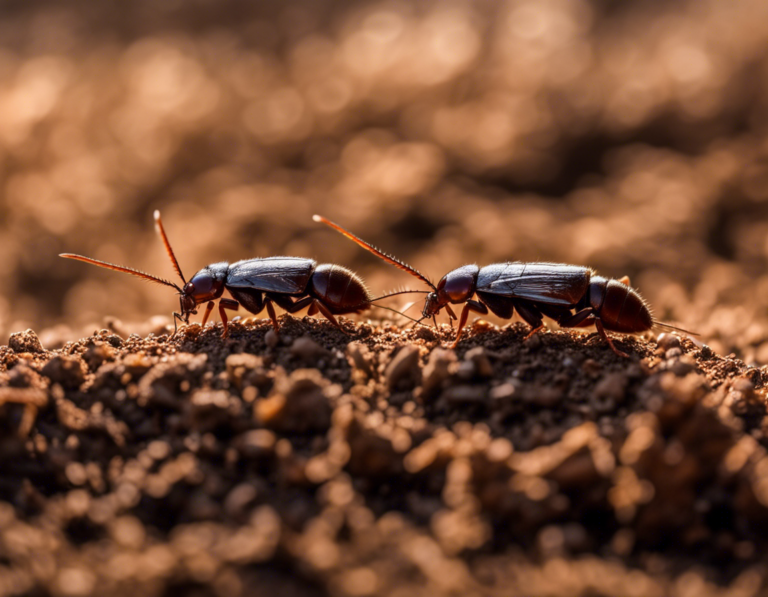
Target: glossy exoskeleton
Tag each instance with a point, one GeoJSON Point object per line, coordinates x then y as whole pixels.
{"type": "Point", "coordinates": [572, 295]}
{"type": "Point", "coordinates": [291, 283]}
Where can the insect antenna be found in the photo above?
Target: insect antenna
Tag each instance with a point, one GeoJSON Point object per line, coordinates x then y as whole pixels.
{"type": "Point", "coordinates": [168, 249]}
{"type": "Point", "coordinates": [400, 313]}
{"type": "Point", "coordinates": [378, 252]}
{"type": "Point", "coordinates": [120, 268]}
{"type": "Point", "coordinates": [383, 296]}
{"type": "Point", "coordinates": [672, 327]}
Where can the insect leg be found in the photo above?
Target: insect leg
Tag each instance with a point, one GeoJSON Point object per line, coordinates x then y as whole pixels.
{"type": "Point", "coordinates": [577, 319]}
{"type": "Point", "coordinates": [451, 314]}
{"type": "Point", "coordinates": [176, 317]}
{"type": "Point", "coordinates": [604, 336]}
{"type": "Point", "coordinates": [226, 303]}
{"type": "Point", "coordinates": [314, 305]}
{"type": "Point", "coordinates": [470, 305]}
{"type": "Point", "coordinates": [207, 314]}
{"type": "Point", "coordinates": [531, 316]}
{"type": "Point", "coordinates": [272, 315]}
{"type": "Point", "coordinates": [328, 315]}
{"type": "Point", "coordinates": [291, 306]}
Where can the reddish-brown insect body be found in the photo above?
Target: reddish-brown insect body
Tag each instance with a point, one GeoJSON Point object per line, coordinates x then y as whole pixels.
{"type": "Point", "coordinates": [572, 295]}
{"type": "Point", "coordinates": [291, 283]}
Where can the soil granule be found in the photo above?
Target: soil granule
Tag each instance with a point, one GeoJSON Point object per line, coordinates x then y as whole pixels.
{"type": "Point", "coordinates": [379, 462]}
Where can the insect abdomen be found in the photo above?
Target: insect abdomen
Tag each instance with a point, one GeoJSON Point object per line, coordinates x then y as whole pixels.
{"type": "Point", "coordinates": [340, 289]}
{"type": "Point", "coordinates": [623, 309]}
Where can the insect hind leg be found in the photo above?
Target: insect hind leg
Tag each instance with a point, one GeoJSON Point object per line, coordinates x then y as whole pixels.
{"type": "Point", "coordinates": [315, 305]}
{"type": "Point", "coordinates": [530, 315]}
{"type": "Point", "coordinates": [587, 317]}
{"type": "Point", "coordinates": [255, 302]}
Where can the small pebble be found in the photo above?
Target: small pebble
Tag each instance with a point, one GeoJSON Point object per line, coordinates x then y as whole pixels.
{"type": "Point", "coordinates": [502, 392]}
{"type": "Point", "coordinates": [682, 366]}
{"type": "Point", "coordinates": [271, 339]}
{"type": "Point", "coordinates": [360, 356]}
{"type": "Point", "coordinates": [668, 341]}
{"type": "Point", "coordinates": [534, 342]}
{"type": "Point", "coordinates": [306, 349]}
{"type": "Point", "coordinates": [591, 367]}
{"type": "Point", "coordinates": [482, 364]}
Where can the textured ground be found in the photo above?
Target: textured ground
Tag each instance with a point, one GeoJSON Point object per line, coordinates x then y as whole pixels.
{"type": "Point", "coordinates": [626, 136]}
{"type": "Point", "coordinates": [379, 463]}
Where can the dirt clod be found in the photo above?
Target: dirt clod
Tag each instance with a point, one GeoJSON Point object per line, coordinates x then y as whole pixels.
{"type": "Point", "coordinates": [26, 341]}
{"type": "Point", "coordinates": [299, 402]}
{"type": "Point", "coordinates": [442, 363]}
{"type": "Point", "coordinates": [64, 370]}
{"type": "Point", "coordinates": [404, 371]}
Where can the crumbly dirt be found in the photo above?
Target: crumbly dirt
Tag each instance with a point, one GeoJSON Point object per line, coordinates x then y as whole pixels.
{"type": "Point", "coordinates": [379, 462]}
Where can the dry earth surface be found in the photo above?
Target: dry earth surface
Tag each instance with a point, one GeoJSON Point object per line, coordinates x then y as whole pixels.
{"type": "Point", "coordinates": [377, 462]}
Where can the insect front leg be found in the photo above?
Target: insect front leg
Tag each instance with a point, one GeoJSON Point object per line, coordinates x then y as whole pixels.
{"type": "Point", "coordinates": [470, 305]}
{"type": "Point", "coordinates": [451, 315]}
{"type": "Point", "coordinates": [176, 317]}
{"type": "Point", "coordinates": [226, 303]}
{"type": "Point", "coordinates": [207, 314]}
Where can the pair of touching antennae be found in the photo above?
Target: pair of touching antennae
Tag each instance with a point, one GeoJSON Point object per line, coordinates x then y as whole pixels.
{"type": "Point", "coordinates": [572, 295]}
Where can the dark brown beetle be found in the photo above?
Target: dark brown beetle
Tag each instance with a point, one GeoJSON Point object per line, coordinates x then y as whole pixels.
{"type": "Point", "coordinates": [572, 295]}
{"type": "Point", "coordinates": [291, 283]}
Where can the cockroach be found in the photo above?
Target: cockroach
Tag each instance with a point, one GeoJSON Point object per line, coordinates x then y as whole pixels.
{"type": "Point", "coordinates": [291, 283]}
{"type": "Point", "coordinates": [572, 295]}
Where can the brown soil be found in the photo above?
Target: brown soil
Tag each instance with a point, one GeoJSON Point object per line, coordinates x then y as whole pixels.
{"type": "Point", "coordinates": [379, 463]}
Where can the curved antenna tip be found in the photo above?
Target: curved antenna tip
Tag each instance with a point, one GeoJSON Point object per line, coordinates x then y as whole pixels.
{"type": "Point", "coordinates": [317, 218]}
{"type": "Point", "coordinates": [157, 215]}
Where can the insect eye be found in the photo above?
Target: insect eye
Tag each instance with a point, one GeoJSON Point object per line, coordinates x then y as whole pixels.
{"type": "Point", "coordinates": [189, 288]}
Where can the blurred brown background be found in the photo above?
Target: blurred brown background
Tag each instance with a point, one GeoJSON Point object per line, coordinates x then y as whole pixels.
{"type": "Point", "coordinates": [629, 136]}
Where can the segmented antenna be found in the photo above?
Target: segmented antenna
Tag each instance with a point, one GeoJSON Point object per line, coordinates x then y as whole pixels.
{"type": "Point", "coordinates": [383, 296]}
{"type": "Point", "coordinates": [120, 268]}
{"type": "Point", "coordinates": [379, 253]}
{"type": "Point", "coordinates": [399, 313]}
{"type": "Point", "coordinates": [168, 249]}
{"type": "Point", "coordinates": [672, 327]}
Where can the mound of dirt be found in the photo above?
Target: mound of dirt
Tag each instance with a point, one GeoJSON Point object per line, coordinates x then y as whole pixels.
{"type": "Point", "coordinates": [377, 462]}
